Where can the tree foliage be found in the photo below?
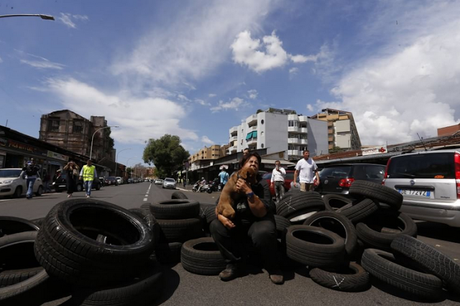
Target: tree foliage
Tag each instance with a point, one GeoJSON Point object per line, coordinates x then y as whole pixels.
{"type": "Point", "coordinates": [166, 153]}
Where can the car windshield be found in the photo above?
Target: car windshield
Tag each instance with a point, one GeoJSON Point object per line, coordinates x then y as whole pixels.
{"type": "Point", "coordinates": [169, 180]}
{"type": "Point", "coordinates": [435, 165]}
{"type": "Point", "coordinates": [10, 173]}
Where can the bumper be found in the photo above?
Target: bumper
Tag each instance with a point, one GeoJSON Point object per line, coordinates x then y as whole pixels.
{"type": "Point", "coordinates": [446, 214]}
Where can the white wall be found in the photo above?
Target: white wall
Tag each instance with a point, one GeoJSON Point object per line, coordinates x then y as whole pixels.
{"type": "Point", "coordinates": [275, 132]}
{"type": "Point", "coordinates": [317, 137]}
{"type": "Point", "coordinates": [342, 126]}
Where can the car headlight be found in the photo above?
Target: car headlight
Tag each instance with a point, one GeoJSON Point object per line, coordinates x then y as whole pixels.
{"type": "Point", "coordinates": [7, 182]}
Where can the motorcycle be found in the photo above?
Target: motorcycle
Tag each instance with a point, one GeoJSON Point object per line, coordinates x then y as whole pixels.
{"type": "Point", "coordinates": [213, 185]}
{"type": "Point", "coordinates": [197, 185]}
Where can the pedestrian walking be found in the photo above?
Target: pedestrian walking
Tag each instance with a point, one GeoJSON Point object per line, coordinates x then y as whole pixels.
{"type": "Point", "coordinates": [88, 173]}
{"type": "Point", "coordinates": [31, 173]}
{"type": "Point", "coordinates": [71, 170]}
{"type": "Point", "coordinates": [277, 180]}
{"type": "Point", "coordinates": [223, 175]}
{"type": "Point", "coordinates": [307, 170]}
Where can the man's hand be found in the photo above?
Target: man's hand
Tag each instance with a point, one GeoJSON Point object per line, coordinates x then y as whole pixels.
{"type": "Point", "coordinates": [242, 186]}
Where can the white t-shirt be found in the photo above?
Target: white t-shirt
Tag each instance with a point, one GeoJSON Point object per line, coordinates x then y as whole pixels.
{"type": "Point", "coordinates": [278, 176]}
{"type": "Point", "coordinates": [306, 170]}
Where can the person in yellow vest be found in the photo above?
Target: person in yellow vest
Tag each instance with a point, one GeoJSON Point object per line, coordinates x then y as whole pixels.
{"type": "Point", "coordinates": [88, 173]}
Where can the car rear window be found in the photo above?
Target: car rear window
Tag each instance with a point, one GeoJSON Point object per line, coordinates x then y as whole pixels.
{"type": "Point", "coordinates": [368, 172]}
{"type": "Point", "coordinates": [433, 165]}
{"type": "Point", "coordinates": [336, 172]}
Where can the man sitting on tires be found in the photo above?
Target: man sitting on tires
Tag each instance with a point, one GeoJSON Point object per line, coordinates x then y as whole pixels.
{"type": "Point", "coordinates": [88, 173]}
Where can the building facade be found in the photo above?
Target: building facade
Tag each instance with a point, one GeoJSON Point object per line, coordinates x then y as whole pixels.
{"type": "Point", "coordinates": [342, 131]}
{"type": "Point", "coordinates": [280, 130]}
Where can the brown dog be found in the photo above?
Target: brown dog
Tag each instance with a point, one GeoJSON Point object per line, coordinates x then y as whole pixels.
{"type": "Point", "coordinates": [230, 194]}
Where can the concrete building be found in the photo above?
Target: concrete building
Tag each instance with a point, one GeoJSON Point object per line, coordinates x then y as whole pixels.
{"type": "Point", "coordinates": [280, 130]}
{"type": "Point", "coordinates": [342, 131]}
{"type": "Point", "coordinates": [69, 130]}
{"type": "Point", "coordinates": [205, 156]}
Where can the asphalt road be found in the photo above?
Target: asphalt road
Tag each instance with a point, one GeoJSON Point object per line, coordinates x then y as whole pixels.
{"type": "Point", "coordinates": [255, 288]}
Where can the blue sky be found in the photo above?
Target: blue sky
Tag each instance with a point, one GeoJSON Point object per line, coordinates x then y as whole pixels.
{"type": "Point", "coordinates": [197, 68]}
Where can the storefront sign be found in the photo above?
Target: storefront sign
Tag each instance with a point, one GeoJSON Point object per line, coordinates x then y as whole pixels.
{"type": "Point", "coordinates": [57, 155]}
{"type": "Point", "coordinates": [374, 150]}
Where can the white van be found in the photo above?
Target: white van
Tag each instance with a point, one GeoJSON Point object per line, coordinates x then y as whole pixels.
{"type": "Point", "coordinates": [430, 184]}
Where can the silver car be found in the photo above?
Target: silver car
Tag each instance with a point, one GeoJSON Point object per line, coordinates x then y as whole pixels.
{"type": "Point", "coordinates": [13, 184]}
{"type": "Point", "coordinates": [430, 184]}
{"type": "Point", "coordinates": [169, 183]}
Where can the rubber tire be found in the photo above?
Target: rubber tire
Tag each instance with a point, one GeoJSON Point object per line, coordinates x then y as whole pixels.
{"type": "Point", "coordinates": [382, 265]}
{"type": "Point", "coordinates": [17, 192]}
{"type": "Point", "coordinates": [378, 192]}
{"type": "Point", "coordinates": [39, 191]}
{"type": "Point", "coordinates": [430, 259]}
{"type": "Point", "coordinates": [370, 231]}
{"type": "Point", "coordinates": [202, 256]}
{"type": "Point", "coordinates": [14, 225]}
{"type": "Point", "coordinates": [175, 209]}
{"type": "Point", "coordinates": [68, 253]}
{"type": "Point", "coordinates": [358, 281]}
{"type": "Point", "coordinates": [282, 225]}
{"type": "Point", "coordinates": [298, 204]}
{"type": "Point", "coordinates": [314, 246]}
{"type": "Point", "coordinates": [168, 253]}
{"type": "Point", "coordinates": [180, 230]}
{"type": "Point", "coordinates": [360, 210]}
{"type": "Point", "coordinates": [79, 187]}
{"type": "Point", "coordinates": [141, 290]}
{"type": "Point", "coordinates": [178, 195]}
{"type": "Point", "coordinates": [334, 202]}
{"type": "Point", "coordinates": [338, 224]}
{"type": "Point", "coordinates": [149, 219]}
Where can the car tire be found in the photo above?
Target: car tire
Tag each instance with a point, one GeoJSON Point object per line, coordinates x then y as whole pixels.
{"type": "Point", "coordinates": [314, 246]}
{"type": "Point", "coordinates": [383, 266]}
{"type": "Point", "coordinates": [79, 187]}
{"type": "Point", "coordinates": [430, 259]}
{"type": "Point", "coordinates": [357, 280]}
{"type": "Point", "coordinates": [338, 224]}
{"type": "Point", "coordinates": [334, 202]}
{"type": "Point", "coordinates": [180, 230]}
{"type": "Point", "coordinates": [202, 256]}
{"type": "Point", "coordinates": [14, 225]}
{"type": "Point", "coordinates": [39, 191]}
{"type": "Point", "coordinates": [98, 186]}
{"type": "Point", "coordinates": [69, 243]}
{"type": "Point", "coordinates": [282, 225]}
{"type": "Point", "coordinates": [298, 206]}
{"type": "Point", "coordinates": [149, 219]}
{"type": "Point", "coordinates": [17, 192]}
{"type": "Point", "coordinates": [178, 195]}
{"type": "Point", "coordinates": [175, 209]}
{"type": "Point", "coordinates": [360, 210]}
{"type": "Point", "coordinates": [378, 192]}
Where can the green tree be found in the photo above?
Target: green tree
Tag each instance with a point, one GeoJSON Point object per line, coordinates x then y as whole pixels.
{"type": "Point", "coordinates": [166, 153]}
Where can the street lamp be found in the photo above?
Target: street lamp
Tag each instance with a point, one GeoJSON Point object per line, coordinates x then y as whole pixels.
{"type": "Point", "coordinates": [92, 138]}
{"type": "Point", "coordinates": [42, 16]}
{"type": "Point", "coordinates": [116, 158]}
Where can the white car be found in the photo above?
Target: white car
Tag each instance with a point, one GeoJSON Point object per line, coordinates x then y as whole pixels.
{"type": "Point", "coordinates": [169, 183]}
{"type": "Point", "coordinates": [119, 180]}
{"type": "Point", "coordinates": [12, 184]}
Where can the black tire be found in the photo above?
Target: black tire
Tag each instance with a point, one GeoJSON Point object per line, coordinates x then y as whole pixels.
{"type": "Point", "coordinates": [430, 259]}
{"type": "Point", "coordinates": [202, 256]}
{"type": "Point", "coordinates": [298, 206]}
{"type": "Point", "coordinates": [28, 292]}
{"type": "Point", "coordinates": [98, 186]}
{"type": "Point", "coordinates": [210, 214]}
{"type": "Point", "coordinates": [180, 230]}
{"type": "Point", "coordinates": [39, 191]}
{"type": "Point", "coordinates": [178, 195]}
{"type": "Point", "coordinates": [14, 225]}
{"type": "Point", "coordinates": [360, 210]}
{"type": "Point", "coordinates": [282, 225]}
{"type": "Point", "coordinates": [141, 290]}
{"type": "Point", "coordinates": [383, 266]}
{"type": "Point", "coordinates": [357, 279]}
{"type": "Point", "coordinates": [338, 224]}
{"type": "Point", "coordinates": [314, 246]}
{"type": "Point", "coordinates": [334, 202]}
{"type": "Point", "coordinates": [175, 209]}
{"type": "Point", "coordinates": [381, 229]}
{"type": "Point", "coordinates": [149, 219]}
{"type": "Point", "coordinates": [79, 187]}
{"type": "Point", "coordinates": [378, 192]}
{"type": "Point", "coordinates": [92, 243]}
{"type": "Point", "coordinates": [168, 253]}
{"type": "Point", "coordinates": [17, 192]}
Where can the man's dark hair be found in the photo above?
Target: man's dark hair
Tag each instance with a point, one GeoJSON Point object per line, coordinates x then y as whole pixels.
{"type": "Point", "coordinates": [306, 151]}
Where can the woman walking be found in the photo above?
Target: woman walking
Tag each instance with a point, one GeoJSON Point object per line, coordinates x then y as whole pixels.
{"type": "Point", "coordinates": [71, 170]}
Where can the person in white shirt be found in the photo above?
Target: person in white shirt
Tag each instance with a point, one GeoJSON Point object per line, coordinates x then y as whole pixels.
{"type": "Point", "coordinates": [277, 180]}
{"type": "Point", "coordinates": [307, 170]}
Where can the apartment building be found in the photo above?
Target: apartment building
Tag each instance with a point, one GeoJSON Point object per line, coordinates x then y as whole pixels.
{"type": "Point", "coordinates": [278, 130]}
{"type": "Point", "coordinates": [342, 132]}
{"type": "Point", "coordinates": [205, 156]}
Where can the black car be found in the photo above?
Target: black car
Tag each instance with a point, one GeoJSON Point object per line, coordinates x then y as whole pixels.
{"type": "Point", "coordinates": [110, 180]}
{"type": "Point", "coordinates": [60, 183]}
{"type": "Point", "coordinates": [337, 178]}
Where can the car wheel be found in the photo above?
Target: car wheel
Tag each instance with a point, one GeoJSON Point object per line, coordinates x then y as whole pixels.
{"type": "Point", "coordinates": [18, 192]}
{"type": "Point", "coordinates": [79, 187]}
{"type": "Point", "coordinates": [98, 186]}
{"type": "Point", "coordinates": [39, 191]}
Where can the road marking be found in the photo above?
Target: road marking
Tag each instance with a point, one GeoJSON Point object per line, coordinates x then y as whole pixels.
{"type": "Point", "coordinates": [147, 193]}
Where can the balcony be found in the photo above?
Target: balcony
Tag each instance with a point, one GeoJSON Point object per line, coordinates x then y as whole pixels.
{"type": "Point", "coordinates": [303, 141]}
{"type": "Point", "coordinates": [232, 150]}
{"type": "Point", "coordinates": [252, 128]}
{"type": "Point", "coordinates": [293, 128]}
{"type": "Point", "coordinates": [234, 131]}
{"type": "Point", "coordinates": [294, 140]}
{"type": "Point", "coordinates": [293, 117]}
{"type": "Point", "coordinates": [251, 120]}
{"type": "Point", "coordinates": [303, 130]}
{"type": "Point", "coordinates": [303, 118]}
{"type": "Point", "coordinates": [252, 141]}
{"type": "Point", "coordinates": [293, 153]}
{"type": "Point", "coordinates": [233, 138]}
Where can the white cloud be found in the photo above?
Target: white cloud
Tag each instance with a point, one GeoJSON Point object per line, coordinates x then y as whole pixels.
{"type": "Point", "coordinates": [234, 104]}
{"type": "Point", "coordinates": [1, 61]}
{"type": "Point", "coordinates": [45, 64]}
{"type": "Point", "coordinates": [310, 108]}
{"type": "Point", "coordinates": [413, 89]}
{"type": "Point", "coordinates": [202, 102]}
{"type": "Point", "coordinates": [211, 95]}
{"type": "Point", "coordinates": [206, 140]}
{"type": "Point", "coordinates": [66, 18]}
{"type": "Point", "coordinates": [303, 59]}
{"type": "Point", "coordinates": [253, 93]}
{"type": "Point", "coordinates": [293, 71]}
{"type": "Point", "coordinates": [139, 119]}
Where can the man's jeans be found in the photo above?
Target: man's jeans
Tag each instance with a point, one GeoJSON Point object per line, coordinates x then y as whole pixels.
{"type": "Point", "coordinates": [30, 187]}
{"type": "Point", "coordinates": [279, 190]}
{"type": "Point", "coordinates": [88, 186]}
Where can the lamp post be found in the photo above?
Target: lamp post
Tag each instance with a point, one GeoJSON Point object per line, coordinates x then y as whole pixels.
{"type": "Point", "coordinates": [92, 138]}
{"type": "Point", "coordinates": [116, 158]}
{"type": "Point", "coordinates": [42, 16]}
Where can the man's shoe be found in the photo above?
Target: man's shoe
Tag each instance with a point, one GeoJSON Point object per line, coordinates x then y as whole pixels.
{"type": "Point", "coordinates": [230, 272]}
{"type": "Point", "coordinates": [277, 277]}
{"type": "Point", "coordinates": [87, 196]}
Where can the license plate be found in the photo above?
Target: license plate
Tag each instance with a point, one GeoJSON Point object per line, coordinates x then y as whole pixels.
{"type": "Point", "coordinates": [418, 193]}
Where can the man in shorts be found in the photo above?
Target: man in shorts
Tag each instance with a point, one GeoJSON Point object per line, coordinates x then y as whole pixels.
{"type": "Point", "coordinates": [307, 170]}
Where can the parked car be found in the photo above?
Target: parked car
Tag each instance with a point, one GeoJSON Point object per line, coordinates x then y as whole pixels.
{"type": "Point", "coordinates": [12, 184]}
{"type": "Point", "coordinates": [110, 181]}
{"type": "Point", "coordinates": [119, 180]}
{"type": "Point", "coordinates": [337, 178]}
{"type": "Point", "coordinates": [169, 183]}
{"type": "Point", "coordinates": [158, 181]}
{"type": "Point", "coordinates": [60, 184]}
{"type": "Point", "coordinates": [287, 180]}
{"type": "Point", "coordinates": [430, 184]}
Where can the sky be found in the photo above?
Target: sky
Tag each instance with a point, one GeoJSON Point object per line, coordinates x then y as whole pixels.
{"type": "Point", "coordinates": [197, 68]}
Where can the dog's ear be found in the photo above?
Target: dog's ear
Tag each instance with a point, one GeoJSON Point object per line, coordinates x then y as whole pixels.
{"type": "Point", "coordinates": [244, 173]}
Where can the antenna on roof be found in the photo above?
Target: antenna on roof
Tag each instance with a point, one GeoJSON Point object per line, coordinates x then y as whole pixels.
{"type": "Point", "coordinates": [421, 140]}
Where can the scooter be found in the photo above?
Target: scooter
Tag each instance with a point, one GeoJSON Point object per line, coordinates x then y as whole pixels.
{"type": "Point", "coordinates": [213, 186]}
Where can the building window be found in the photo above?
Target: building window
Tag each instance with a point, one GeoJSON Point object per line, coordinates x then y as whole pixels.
{"type": "Point", "coordinates": [77, 126]}
{"type": "Point", "coordinates": [262, 121]}
{"type": "Point", "coordinates": [53, 125]}
{"type": "Point", "coordinates": [262, 145]}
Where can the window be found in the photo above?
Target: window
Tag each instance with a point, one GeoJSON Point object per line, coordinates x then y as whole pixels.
{"type": "Point", "coordinates": [53, 125]}
{"type": "Point", "coordinates": [77, 126]}
{"type": "Point", "coordinates": [262, 121]}
{"type": "Point", "coordinates": [262, 145]}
